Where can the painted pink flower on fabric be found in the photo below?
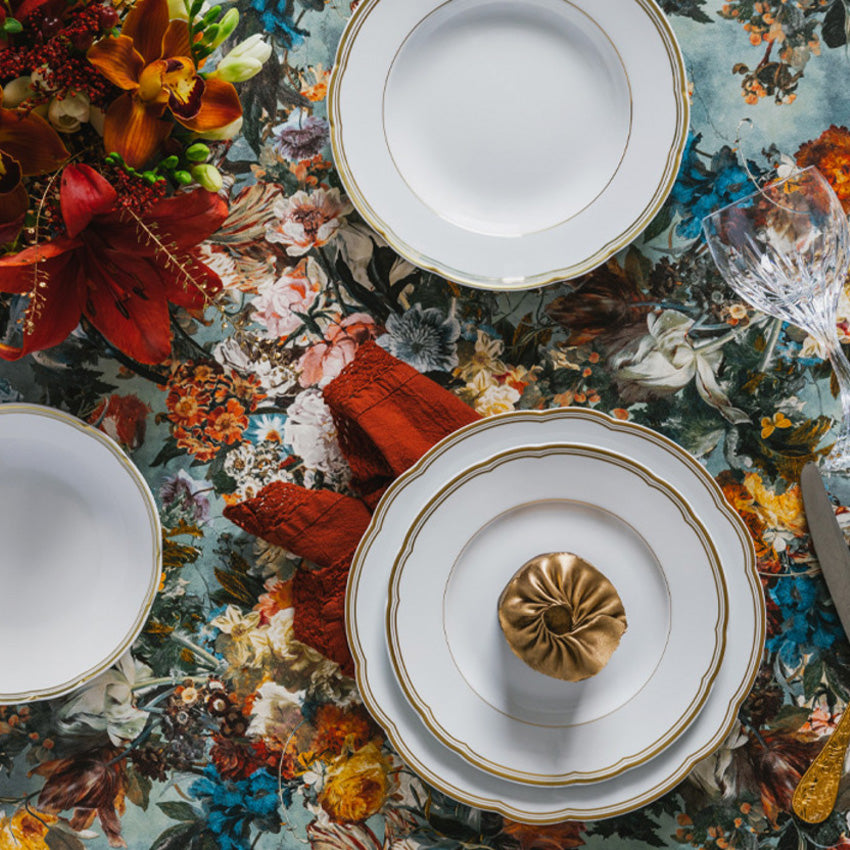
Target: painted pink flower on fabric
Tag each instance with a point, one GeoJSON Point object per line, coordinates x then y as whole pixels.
{"type": "Point", "coordinates": [307, 221]}
{"type": "Point", "coordinates": [296, 291]}
{"type": "Point", "coordinates": [322, 362]}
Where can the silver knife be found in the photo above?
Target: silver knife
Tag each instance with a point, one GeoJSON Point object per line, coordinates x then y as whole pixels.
{"type": "Point", "coordinates": [828, 538]}
{"type": "Point", "coordinates": [815, 795]}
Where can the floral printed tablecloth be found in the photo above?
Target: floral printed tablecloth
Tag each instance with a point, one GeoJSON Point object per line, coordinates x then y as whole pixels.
{"type": "Point", "coordinates": [219, 729]}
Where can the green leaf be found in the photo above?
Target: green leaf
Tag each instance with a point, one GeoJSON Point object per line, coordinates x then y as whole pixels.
{"type": "Point", "coordinates": [236, 586]}
{"type": "Point", "coordinates": [180, 811]}
{"type": "Point", "coordinates": [138, 788]}
{"type": "Point", "coordinates": [812, 676]}
{"type": "Point", "coordinates": [168, 452]}
{"type": "Point", "coordinates": [175, 837]}
{"type": "Point", "coordinates": [58, 838]}
{"type": "Point", "coordinates": [659, 224]}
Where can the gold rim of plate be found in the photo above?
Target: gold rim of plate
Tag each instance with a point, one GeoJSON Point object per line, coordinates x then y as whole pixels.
{"type": "Point", "coordinates": [544, 278]}
{"type": "Point", "coordinates": [502, 806]}
{"type": "Point", "coordinates": [624, 763]}
{"type": "Point", "coordinates": [156, 541]}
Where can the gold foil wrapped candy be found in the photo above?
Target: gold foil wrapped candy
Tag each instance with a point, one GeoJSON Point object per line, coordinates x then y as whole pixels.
{"type": "Point", "coordinates": [562, 616]}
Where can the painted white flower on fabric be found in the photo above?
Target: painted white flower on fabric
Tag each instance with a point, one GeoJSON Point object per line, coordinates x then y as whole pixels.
{"type": "Point", "coordinates": [311, 432]}
{"type": "Point", "coordinates": [296, 291]}
{"type": "Point", "coordinates": [664, 360]}
{"type": "Point", "coordinates": [106, 704]}
{"type": "Point", "coordinates": [276, 712]}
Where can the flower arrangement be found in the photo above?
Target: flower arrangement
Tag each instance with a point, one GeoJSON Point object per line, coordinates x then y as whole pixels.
{"type": "Point", "coordinates": [111, 122]}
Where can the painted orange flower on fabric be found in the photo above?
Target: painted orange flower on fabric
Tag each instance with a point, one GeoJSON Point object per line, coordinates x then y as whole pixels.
{"type": "Point", "coordinates": [151, 60]}
{"type": "Point", "coordinates": [830, 153]}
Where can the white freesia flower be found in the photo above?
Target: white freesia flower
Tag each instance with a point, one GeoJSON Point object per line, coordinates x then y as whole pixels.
{"type": "Point", "coordinates": [16, 92]}
{"type": "Point", "coordinates": [244, 61]}
{"type": "Point", "coordinates": [664, 361]}
{"type": "Point", "coordinates": [106, 704]}
{"type": "Point", "coordinates": [67, 114]}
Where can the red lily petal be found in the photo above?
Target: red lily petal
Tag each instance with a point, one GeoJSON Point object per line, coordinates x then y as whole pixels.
{"type": "Point", "coordinates": [189, 218]}
{"type": "Point", "coordinates": [134, 129]}
{"type": "Point", "coordinates": [118, 60]}
{"type": "Point", "coordinates": [176, 42]}
{"type": "Point", "coordinates": [61, 303]}
{"type": "Point", "coordinates": [146, 23]}
{"type": "Point", "coordinates": [31, 141]}
{"type": "Point", "coordinates": [13, 211]}
{"type": "Point", "coordinates": [191, 293]}
{"type": "Point", "coordinates": [220, 106]}
{"type": "Point", "coordinates": [138, 325]}
{"type": "Point", "coordinates": [84, 194]}
{"type": "Point", "coordinates": [16, 272]}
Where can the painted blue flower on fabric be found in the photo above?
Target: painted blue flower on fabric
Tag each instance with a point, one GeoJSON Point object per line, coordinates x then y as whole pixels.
{"type": "Point", "coordinates": [808, 627]}
{"type": "Point", "coordinates": [231, 807]}
{"type": "Point", "coordinates": [426, 339]}
{"type": "Point", "coordinates": [278, 19]}
{"type": "Point", "coordinates": [701, 189]}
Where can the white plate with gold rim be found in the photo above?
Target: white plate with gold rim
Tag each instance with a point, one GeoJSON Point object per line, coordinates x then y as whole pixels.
{"type": "Point", "coordinates": [507, 144]}
{"type": "Point", "coordinates": [81, 552]}
{"type": "Point", "coordinates": [444, 768]}
{"type": "Point", "coordinates": [455, 665]}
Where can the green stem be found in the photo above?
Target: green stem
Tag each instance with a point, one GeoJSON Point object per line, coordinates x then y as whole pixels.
{"type": "Point", "coordinates": [202, 654]}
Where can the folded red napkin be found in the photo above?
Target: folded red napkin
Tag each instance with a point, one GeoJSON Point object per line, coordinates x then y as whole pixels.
{"type": "Point", "coordinates": [387, 415]}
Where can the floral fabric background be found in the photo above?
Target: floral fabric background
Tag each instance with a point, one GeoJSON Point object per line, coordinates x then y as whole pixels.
{"type": "Point", "coordinates": [219, 729]}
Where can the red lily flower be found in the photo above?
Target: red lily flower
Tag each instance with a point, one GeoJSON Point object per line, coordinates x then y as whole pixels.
{"type": "Point", "coordinates": [151, 60]}
{"type": "Point", "coordinates": [117, 268]}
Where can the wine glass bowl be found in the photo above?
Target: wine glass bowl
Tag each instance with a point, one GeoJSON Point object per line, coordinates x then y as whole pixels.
{"type": "Point", "coordinates": [785, 249]}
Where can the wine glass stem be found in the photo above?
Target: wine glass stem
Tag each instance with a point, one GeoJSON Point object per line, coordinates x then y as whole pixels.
{"type": "Point", "coordinates": [839, 458]}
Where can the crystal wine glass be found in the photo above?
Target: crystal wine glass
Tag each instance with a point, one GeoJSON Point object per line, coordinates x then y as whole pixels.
{"type": "Point", "coordinates": [786, 249]}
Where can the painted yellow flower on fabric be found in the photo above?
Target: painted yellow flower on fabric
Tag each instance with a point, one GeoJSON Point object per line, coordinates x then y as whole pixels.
{"type": "Point", "coordinates": [356, 785]}
{"type": "Point", "coordinates": [779, 510]}
{"type": "Point", "coordinates": [25, 830]}
{"type": "Point", "coordinates": [770, 424]}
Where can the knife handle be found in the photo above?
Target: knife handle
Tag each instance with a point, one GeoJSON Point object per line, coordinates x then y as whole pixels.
{"type": "Point", "coordinates": [815, 795]}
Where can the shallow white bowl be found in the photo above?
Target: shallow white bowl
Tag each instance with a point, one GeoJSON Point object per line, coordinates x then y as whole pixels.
{"type": "Point", "coordinates": [80, 552]}
{"type": "Point", "coordinates": [507, 144]}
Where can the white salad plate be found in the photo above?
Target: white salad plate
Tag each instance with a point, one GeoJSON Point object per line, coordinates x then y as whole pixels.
{"type": "Point", "coordinates": [81, 552]}
{"type": "Point", "coordinates": [447, 770]}
{"type": "Point", "coordinates": [458, 670]}
{"type": "Point", "coordinates": [506, 144]}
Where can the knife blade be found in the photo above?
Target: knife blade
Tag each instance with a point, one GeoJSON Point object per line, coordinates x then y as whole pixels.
{"type": "Point", "coordinates": [828, 539]}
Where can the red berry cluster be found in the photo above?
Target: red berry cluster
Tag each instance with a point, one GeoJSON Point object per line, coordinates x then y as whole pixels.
{"type": "Point", "coordinates": [134, 191]}
{"type": "Point", "coordinates": [56, 45]}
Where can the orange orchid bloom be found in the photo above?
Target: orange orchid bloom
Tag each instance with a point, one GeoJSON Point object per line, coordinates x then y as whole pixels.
{"type": "Point", "coordinates": [28, 146]}
{"type": "Point", "coordinates": [151, 60]}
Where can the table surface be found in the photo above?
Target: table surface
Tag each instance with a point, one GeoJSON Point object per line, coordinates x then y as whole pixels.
{"type": "Point", "coordinates": [180, 745]}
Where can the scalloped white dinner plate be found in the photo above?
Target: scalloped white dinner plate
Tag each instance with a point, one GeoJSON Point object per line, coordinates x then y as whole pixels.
{"type": "Point", "coordinates": [507, 144]}
{"type": "Point", "coordinates": [80, 552]}
{"type": "Point", "coordinates": [384, 539]}
{"type": "Point", "coordinates": [455, 665]}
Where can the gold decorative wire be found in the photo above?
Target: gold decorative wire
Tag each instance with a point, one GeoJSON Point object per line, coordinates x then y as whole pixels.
{"type": "Point", "coordinates": [156, 549]}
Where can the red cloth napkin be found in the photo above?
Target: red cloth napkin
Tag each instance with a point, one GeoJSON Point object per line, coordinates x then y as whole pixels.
{"type": "Point", "coordinates": [387, 415]}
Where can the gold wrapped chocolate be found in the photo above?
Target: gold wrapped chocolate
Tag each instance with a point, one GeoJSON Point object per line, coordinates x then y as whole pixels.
{"type": "Point", "coordinates": [562, 616]}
